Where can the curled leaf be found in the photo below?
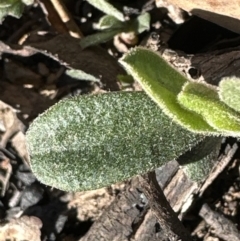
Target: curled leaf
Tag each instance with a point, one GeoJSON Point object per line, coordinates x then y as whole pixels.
{"type": "Point", "coordinates": [204, 100]}
{"type": "Point", "coordinates": [163, 83]}
{"type": "Point", "coordinates": [88, 142]}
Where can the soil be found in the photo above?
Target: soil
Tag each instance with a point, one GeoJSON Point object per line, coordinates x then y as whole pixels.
{"type": "Point", "coordinates": [35, 52]}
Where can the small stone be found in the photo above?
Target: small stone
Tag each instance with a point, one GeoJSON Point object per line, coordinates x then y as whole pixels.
{"type": "Point", "coordinates": [26, 177]}
{"type": "Point", "coordinates": [31, 196]}
{"type": "Point", "coordinates": [13, 213]}
{"type": "Point", "coordinates": [60, 223]}
{"type": "Point", "coordinates": [2, 127]}
{"type": "Point", "coordinates": [14, 200]}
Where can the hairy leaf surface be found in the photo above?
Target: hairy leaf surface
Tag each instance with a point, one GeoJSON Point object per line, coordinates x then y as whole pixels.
{"type": "Point", "coordinates": [205, 101]}
{"type": "Point", "coordinates": [88, 142]}
{"type": "Point", "coordinates": [229, 92]}
{"type": "Point", "coordinates": [163, 83]}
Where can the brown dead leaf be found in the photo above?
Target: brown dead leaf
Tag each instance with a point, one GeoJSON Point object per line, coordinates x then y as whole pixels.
{"type": "Point", "coordinates": [222, 12]}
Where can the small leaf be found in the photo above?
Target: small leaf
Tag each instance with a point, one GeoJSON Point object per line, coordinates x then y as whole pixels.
{"type": "Point", "coordinates": [89, 142]}
{"type": "Point", "coordinates": [15, 10]}
{"type": "Point", "coordinates": [98, 38]}
{"type": "Point", "coordinates": [142, 23]}
{"type": "Point", "coordinates": [81, 75]}
{"type": "Point", "coordinates": [109, 21]}
{"type": "Point", "coordinates": [107, 8]}
{"type": "Point", "coordinates": [12, 7]}
{"type": "Point", "coordinates": [163, 83]}
{"type": "Point", "coordinates": [204, 100]}
{"type": "Point", "coordinates": [128, 79]}
{"type": "Point", "coordinates": [229, 92]}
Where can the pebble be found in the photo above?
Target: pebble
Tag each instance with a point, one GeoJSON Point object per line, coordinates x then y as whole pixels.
{"type": "Point", "coordinates": [31, 196]}
{"type": "Point", "coordinates": [26, 177]}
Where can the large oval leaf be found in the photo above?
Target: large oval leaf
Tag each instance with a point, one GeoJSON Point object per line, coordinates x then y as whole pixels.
{"type": "Point", "coordinates": [88, 142]}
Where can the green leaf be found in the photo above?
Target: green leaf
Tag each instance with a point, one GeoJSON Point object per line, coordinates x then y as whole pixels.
{"type": "Point", "coordinates": [127, 79]}
{"type": "Point", "coordinates": [98, 38]}
{"type": "Point", "coordinates": [12, 7]}
{"type": "Point", "coordinates": [198, 162]}
{"type": "Point", "coordinates": [107, 8]}
{"type": "Point", "coordinates": [142, 23]}
{"type": "Point", "coordinates": [163, 83]}
{"type": "Point", "coordinates": [81, 75]}
{"type": "Point", "coordinates": [88, 142]}
{"type": "Point", "coordinates": [204, 100]}
{"type": "Point", "coordinates": [6, 3]}
{"type": "Point", "coordinates": [109, 21]}
{"type": "Point", "coordinates": [229, 92]}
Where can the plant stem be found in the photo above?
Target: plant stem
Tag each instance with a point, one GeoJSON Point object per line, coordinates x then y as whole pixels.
{"type": "Point", "coordinates": [159, 205]}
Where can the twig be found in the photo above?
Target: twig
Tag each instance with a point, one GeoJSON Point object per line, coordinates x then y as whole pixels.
{"type": "Point", "coordinates": [60, 18]}
{"type": "Point", "coordinates": [223, 228]}
{"type": "Point", "coordinates": [67, 19]}
{"type": "Point", "coordinates": [52, 16]}
{"type": "Point", "coordinates": [159, 205]}
{"type": "Point", "coordinates": [18, 34]}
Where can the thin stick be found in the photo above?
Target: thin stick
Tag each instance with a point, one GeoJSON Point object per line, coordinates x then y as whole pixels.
{"type": "Point", "coordinates": [223, 227]}
{"type": "Point", "coordinates": [64, 14]}
{"type": "Point", "coordinates": [159, 205]}
{"type": "Point", "coordinates": [60, 18]}
{"type": "Point", "coordinates": [53, 16]}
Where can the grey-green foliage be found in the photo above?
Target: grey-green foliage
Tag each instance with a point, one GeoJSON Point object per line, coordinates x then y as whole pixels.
{"type": "Point", "coordinates": [88, 142]}
{"type": "Point", "coordinates": [12, 7]}
{"type": "Point", "coordinates": [81, 75]}
{"type": "Point", "coordinates": [198, 161]}
{"type": "Point", "coordinates": [114, 23]}
{"type": "Point", "coordinates": [107, 8]}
